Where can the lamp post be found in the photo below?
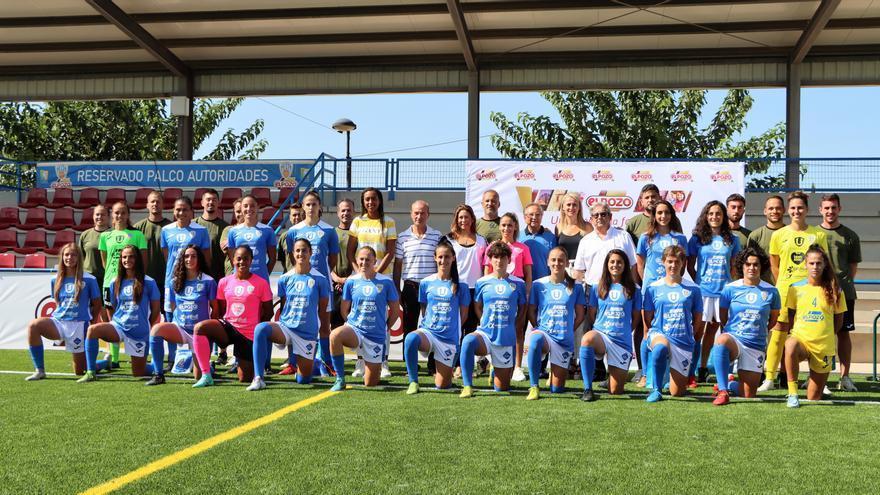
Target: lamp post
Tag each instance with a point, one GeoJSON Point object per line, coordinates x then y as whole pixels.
{"type": "Point", "coordinates": [346, 126]}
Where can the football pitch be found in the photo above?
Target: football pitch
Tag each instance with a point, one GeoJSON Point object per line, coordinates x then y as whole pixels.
{"type": "Point", "coordinates": [118, 435]}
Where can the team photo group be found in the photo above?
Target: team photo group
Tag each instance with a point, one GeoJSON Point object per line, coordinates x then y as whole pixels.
{"type": "Point", "coordinates": [489, 296]}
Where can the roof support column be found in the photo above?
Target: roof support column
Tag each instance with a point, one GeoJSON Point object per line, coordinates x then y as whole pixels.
{"type": "Point", "coordinates": [473, 114]}
{"type": "Point", "coordinates": [185, 123]}
{"type": "Point", "coordinates": [793, 126]}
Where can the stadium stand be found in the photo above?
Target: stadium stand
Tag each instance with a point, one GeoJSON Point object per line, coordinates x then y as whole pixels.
{"type": "Point", "coordinates": [61, 198]}
{"type": "Point", "coordinates": [114, 195]}
{"type": "Point", "coordinates": [36, 260]}
{"type": "Point", "coordinates": [267, 214]}
{"type": "Point", "coordinates": [169, 196]}
{"type": "Point", "coordinates": [228, 196]}
{"type": "Point", "coordinates": [8, 240]}
{"type": "Point", "coordinates": [262, 195]}
{"type": "Point", "coordinates": [7, 260]}
{"type": "Point", "coordinates": [61, 238]}
{"type": "Point", "coordinates": [140, 198]}
{"type": "Point", "coordinates": [36, 197]}
{"type": "Point", "coordinates": [34, 241]}
{"type": "Point", "coordinates": [88, 197]}
{"type": "Point", "coordinates": [63, 219]}
{"type": "Point", "coordinates": [9, 217]}
{"type": "Point", "coordinates": [86, 221]}
{"type": "Point", "coordinates": [35, 218]}
{"type": "Point", "coordinates": [283, 194]}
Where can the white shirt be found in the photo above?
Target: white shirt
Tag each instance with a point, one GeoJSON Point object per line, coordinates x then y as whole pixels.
{"type": "Point", "coordinates": [417, 253]}
{"type": "Point", "coordinates": [469, 260]}
{"type": "Point", "coordinates": [592, 251]}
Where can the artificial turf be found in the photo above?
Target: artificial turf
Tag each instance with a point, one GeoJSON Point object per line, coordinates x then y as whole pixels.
{"type": "Point", "coordinates": [63, 437]}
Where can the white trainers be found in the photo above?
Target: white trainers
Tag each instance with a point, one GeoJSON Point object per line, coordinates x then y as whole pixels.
{"type": "Point", "coordinates": [38, 375]}
{"type": "Point", "coordinates": [846, 384]}
{"type": "Point", "coordinates": [767, 385]}
{"type": "Point", "coordinates": [385, 373]}
{"type": "Point", "coordinates": [257, 384]}
{"type": "Point", "coordinates": [826, 391]}
{"type": "Point", "coordinates": [637, 376]}
{"type": "Point", "coordinates": [359, 368]}
{"type": "Point", "coordinates": [603, 384]}
{"type": "Point", "coordinates": [518, 375]}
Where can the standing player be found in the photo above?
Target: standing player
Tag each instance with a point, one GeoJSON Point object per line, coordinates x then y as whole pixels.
{"type": "Point", "coordinates": [501, 303]}
{"type": "Point", "coordinates": [748, 307]}
{"type": "Point", "coordinates": [557, 306]}
{"type": "Point", "coordinates": [444, 301]}
{"type": "Point", "coordinates": [845, 252]}
{"type": "Point", "coordinates": [638, 224]}
{"type": "Point", "coordinates": [305, 294]}
{"type": "Point", "coordinates": [244, 299]}
{"type": "Point", "coordinates": [815, 309]}
{"type": "Point", "coordinates": [736, 210]}
{"type": "Point", "coordinates": [788, 250]}
{"type": "Point", "coordinates": [615, 308]}
{"type": "Point", "coordinates": [257, 236]}
{"type": "Point", "coordinates": [674, 307]}
{"type": "Point", "coordinates": [191, 295]}
{"type": "Point", "coordinates": [134, 298]}
{"type": "Point", "coordinates": [774, 208]}
{"type": "Point", "coordinates": [78, 303]}
{"type": "Point", "coordinates": [370, 306]}
{"type": "Point", "coordinates": [212, 220]}
{"type": "Point", "coordinates": [711, 248]}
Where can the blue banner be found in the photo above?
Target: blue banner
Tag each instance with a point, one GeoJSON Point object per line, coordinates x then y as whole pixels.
{"type": "Point", "coordinates": [158, 175]}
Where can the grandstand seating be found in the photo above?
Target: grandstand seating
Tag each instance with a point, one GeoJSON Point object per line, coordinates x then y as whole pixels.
{"type": "Point", "coordinates": [62, 198]}
{"type": "Point", "coordinates": [86, 222]}
{"type": "Point", "coordinates": [114, 195]}
{"type": "Point", "coordinates": [61, 238]}
{"type": "Point", "coordinates": [197, 196]}
{"type": "Point", "coordinates": [8, 240]}
{"type": "Point", "coordinates": [228, 196]}
{"type": "Point", "coordinates": [9, 217]}
{"type": "Point", "coordinates": [169, 196]}
{"type": "Point", "coordinates": [63, 219]}
{"type": "Point", "coordinates": [267, 214]}
{"type": "Point", "coordinates": [34, 219]}
{"type": "Point", "coordinates": [262, 195]}
{"type": "Point", "coordinates": [88, 198]}
{"type": "Point", "coordinates": [7, 260]}
{"type": "Point", "coordinates": [35, 260]}
{"type": "Point", "coordinates": [283, 194]}
{"type": "Point", "coordinates": [34, 241]}
{"type": "Point", "coordinates": [140, 198]}
{"type": "Point", "coordinates": [36, 197]}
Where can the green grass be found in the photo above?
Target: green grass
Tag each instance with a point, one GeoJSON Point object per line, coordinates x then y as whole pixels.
{"type": "Point", "coordinates": [62, 437]}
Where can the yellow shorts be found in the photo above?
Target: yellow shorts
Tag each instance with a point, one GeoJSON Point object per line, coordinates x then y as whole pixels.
{"type": "Point", "coordinates": [819, 356]}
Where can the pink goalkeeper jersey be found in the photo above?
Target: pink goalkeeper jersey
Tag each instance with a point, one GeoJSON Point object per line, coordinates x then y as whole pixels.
{"type": "Point", "coordinates": [243, 300]}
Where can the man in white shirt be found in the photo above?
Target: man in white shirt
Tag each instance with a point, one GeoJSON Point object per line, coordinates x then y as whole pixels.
{"type": "Point", "coordinates": [594, 247]}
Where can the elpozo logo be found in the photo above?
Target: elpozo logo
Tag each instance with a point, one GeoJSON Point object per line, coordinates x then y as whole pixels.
{"type": "Point", "coordinates": [616, 200]}
{"type": "Point", "coordinates": [486, 174]}
{"type": "Point", "coordinates": [524, 174]}
{"type": "Point", "coordinates": [722, 176]}
{"type": "Point", "coordinates": [564, 174]}
{"type": "Point", "coordinates": [642, 176]}
{"type": "Point", "coordinates": [603, 175]}
{"type": "Point", "coordinates": [682, 176]}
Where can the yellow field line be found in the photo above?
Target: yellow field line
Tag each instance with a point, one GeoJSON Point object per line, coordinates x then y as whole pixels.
{"type": "Point", "coordinates": [202, 446]}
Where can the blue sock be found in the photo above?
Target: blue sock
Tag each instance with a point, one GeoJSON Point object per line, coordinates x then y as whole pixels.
{"type": "Point", "coordinates": [304, 380]}
{"type": "Point", "coordinates": [339, 366]}
{"type": "Point", "coordinates": [557, 389]}
{"type": "Point", "coordinates": [533, 357]}
{"type": "Point", "coordinates": [91, 354]}
{"type": "Point", "coordinates": [267, 355]}
{"type": "Point", "coordinates": [324, 350]}
{"type": "Point", "coordinates": [411, 355]}
{"type": "Point", "coordinates": [157, 350]}
{"type": "Point", "coordinates": [722, 364]}
{"type": "Point", "coordinates": [588, 366]}
{"type": "Point", "coordinates": [37, 356]}
{"type": "Point", "coordinates": [695, 358]}
{"type": "Point", "coordinates": [468, 351]}
{"type": "Point", "coordinates": [172, 354]}
{"type": "Point", "coordinates": [659, 360]}
{"type": "Point", "coordinates": [102, 364]}
{"type": "Point", "coordinates": [645, 355]}
{"type": "Point", "coordinates": [262, 332]}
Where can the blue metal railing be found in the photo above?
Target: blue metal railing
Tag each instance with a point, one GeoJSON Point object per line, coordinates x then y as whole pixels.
{"type": "Point", "coordinates": [308, 182]}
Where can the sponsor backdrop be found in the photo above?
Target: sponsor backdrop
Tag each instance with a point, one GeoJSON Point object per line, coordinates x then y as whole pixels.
{"type": "Point", "coordinates": [158, 175]}
{"type": "Point", "coordinates": [687, 185]}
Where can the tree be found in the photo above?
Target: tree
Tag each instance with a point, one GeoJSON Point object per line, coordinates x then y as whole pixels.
{"type": "Point", "coordinates": [641, 124]}
{"type": "Point", "coordinates": [117, 130]}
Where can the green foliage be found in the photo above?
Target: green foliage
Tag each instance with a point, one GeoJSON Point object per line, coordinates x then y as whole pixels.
{"type": "Point", "coordinates": [639, 124]}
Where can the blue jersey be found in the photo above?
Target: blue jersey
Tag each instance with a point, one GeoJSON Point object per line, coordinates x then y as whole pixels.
{"type": "Point", "coordinates": [652, 252]}
{"type": "Point", "coordinates": [443, 308]}
{"type": "Point", "coordinates": [614, 313]}
{"type": "Point", "coordinates": [260, 238]}
{"type": "Point", "coordinates": [555, 305]}
{"type": "Point", "coordinates": [193, 303]}
{"type": "Point", "coordinates": [674, 307]}
{"type": "Point", "coordinates": [301, 294]}
{"type": "Point", "coordinates": [323, 239]}
{"type": "Point", "coordinates": [130, 316]}
{"type": "Point", "coordinates": [80, 309]}
{"type": "Point", "coordinates": [369, 304]}
{"type": "Point", "coordinates": [539, 244]}
{"type": "Point", "coordinates": [501, 298]}
{"type": "Point", "coordinates": [749, 311]}
{"type": "Point", "coordinates": [175, 239]}
{"type": "Point", "coordinates": [713, 263]}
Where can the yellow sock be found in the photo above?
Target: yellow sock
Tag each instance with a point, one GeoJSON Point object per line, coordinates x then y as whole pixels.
{"type": "Point", "coordinates": [792, 388]}
{"type": "Point", "coordinates": [774, 354]}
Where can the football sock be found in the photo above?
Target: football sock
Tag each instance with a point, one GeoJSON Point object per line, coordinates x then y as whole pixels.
{"type": "Point", "coordinates": [721, 355]}
{"type": "Point", "coordinates": [172, 354]}
{"type": "Point", "coordinates": [324, 350]}
{"type": "Point", "coordinates": [157, 350]}
{"type": "Point", "coordinates": [792, 388]}
{"type": "Point", "coordinates": [114, 352]}
{"type": "Point", "coordinates": [339, 366]}
{"type": "Point", "coordinates": [262, 332]}
{"type": "Point", "coordinates": [468, 351]}
{"type": "Point", "coordinates": [588, 366]}
{"type": "Point", "coordinates": [533, 358]}
{"type": "Point", "coordinates": [91, 354]}
{"type": "Point", "coordinates": [659, 360]}
{"type": "Point", "coordinates": [557, 389]}
{"type": "Point", "coordinates": [37, 357]}
{"type": "Point", "coordinates": [774, 354]}
{"type": "Point", "coordinates": [301, 379]}
{"type": "Point", "coordinates": [202, 351]}
{"type": "Point", "coordinates": [411, 355]}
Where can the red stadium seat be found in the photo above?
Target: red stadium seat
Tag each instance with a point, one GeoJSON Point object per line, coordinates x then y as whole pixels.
{"type": "Point", "coordinates": [36, 197]}
{"type": "Point", "coordinates": [267, 214]}
{"type": "Point", "coordinates": [169, 196]}
{"type": "Point", "coordinates": [7, 260]}
{"type": "Point", "coordinates": [114, 195]}
{"type": "Point", "coordinates": [88, 198]}
{"type": "Point", "coordinates": [140, 198]}
{"type": "Point", "coordinates": [197, 196]}
{"type": "Point", "coordinates": [34, 241]}
{"type": "Point", "coordinates": [62, 198]}
{"type": "Point", "coordinates": [262, 195]}
{"type": "Point", "coordinates": [9, 217]}
{"type": "Point", "coordinates": [283, 194]}
{"type": "Point", "coordinates": [8, 240]}
{"type": "Point", "coordinates": [228, 196]}
{"type": "Point", "coordinates": [34, 219]}
{"type": "Point", "coordinates": [61, 238]}
{"type": "Point", "coordinates": [35, 260]}
{"type": "Point", "coordinates": [63, 219]}
{"type": "Point", "coordinates": [86, 222]}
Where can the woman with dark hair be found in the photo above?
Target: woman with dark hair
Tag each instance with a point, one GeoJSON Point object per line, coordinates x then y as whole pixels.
{"type": "Point", "coordinates": [815, 311]}
{"type": "Point", "coordinates": [615, 308]}
{"type": "Point", "coordinates": [557, 306]}
{"type": "Point", "coordinates": [134, 298]}
{"type": "Point", "coordinates": [78, 303]}
{"type": "Point", "coordinates": [191, 294]}
{"type": "Point", "coordinates": [748, 308]}
{"type": "Point", "coordinates": [711, 250]}
{"type": "Point", "coordinates": [445, 301]}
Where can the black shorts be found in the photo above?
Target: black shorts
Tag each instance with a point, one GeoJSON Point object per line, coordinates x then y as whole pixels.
{"type": "Point", "coordinates": [243, 347]}
{"type": "Point", "coordinates": [336, 319]}
{"type": "Point", "coordinates": [471, 322]}
{"type": "Point", "coordinates": [409, 304]}
{"type": "Point", "coordinates": [849, 318]}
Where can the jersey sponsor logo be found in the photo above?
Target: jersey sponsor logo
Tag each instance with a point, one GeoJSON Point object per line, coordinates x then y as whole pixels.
{"type": "Point", "coordinates": [642, 176]}
{"type": "Point", "coordinates": [751, 297]}
{"type": "Point", "coordinates": [814, 317]}
{"type": "Point", "coordinates": [238, 291]}
{"type": "Point", "coordinates": [797, 258]}
{"type": "Point", "coordinates": [563, 175]}
{"type": "Point", "coordinates": [187, 307]}
{"type": "Point", "coordinates": [237, 309]}
{"type": "Point", "coordinates": [602, 175]}
{"type": "Point", "coordinates": [524, 174]}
